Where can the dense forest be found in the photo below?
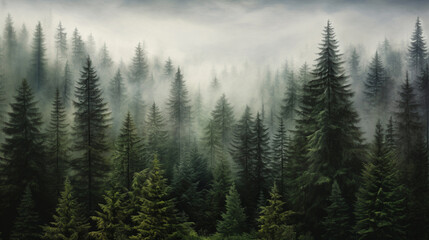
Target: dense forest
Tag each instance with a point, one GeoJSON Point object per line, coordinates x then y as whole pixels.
{"type": "Point", "coordinates": [99, 148]}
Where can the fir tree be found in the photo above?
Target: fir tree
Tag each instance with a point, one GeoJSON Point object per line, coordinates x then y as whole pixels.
{"type": "Point", "coordinates": [354, 65]}
{"type": "Point", "coordinates": [290, 100]}
{"type": "Point", "coordinates": [223, 119]}
{"type": "Point", "coordinates": [112, 217]}
{"type": "Point", "coordinates": [106, 61]}
{"type": "Point", "coordinates": [233, 220]}
{"type": "Point", "coordinates": [38, 68]}
{"type": "Point", "coordinates": [78, 49]}
{"type": "Point", "coordinates": [380, 201]}
{"type": "Point", "coordinates": [375, 84]}
{"type": "Point", "coordinates": [26, 226]}
{"type": "Point", "coordinates": [417, 51]}
{"type": "Point", "coordinates": [57, 139]}
{"type": "Point", "coordinates": [139, 67]}
{"type": "Point", "coordinates": [280, 155]}
{"type": "Point", "coordinates": [90, 126]}
{"type": "Point", "coordinates": [24, 158]}
{"type": "Point", "coordinates": [156, 134]}
{"type": "Point", "coordinates": [180, 112]}
{"type": "Point", "coordinates": [117, 94]}
{"type": "Point", "coordinates": [274, 219]}
{"type": "Point", "coordinates": [61, 42]}
{"type": "Point", "coordinates": [211, 141]}
{"type": "Point", "coordinates": [157, 217]}
{"type": "Point", "coordinates": [169, 68]}
{"type": "Point", "coordinates": [128, 157]}
{"type": "Point", "coordinates": [337, 221]}
{"type": "Point", "coordinates": [390, 135]}
{"type": "Point", "coordinates": [68, 221]}
{"type": "Point", "coordinates": [67, 85]}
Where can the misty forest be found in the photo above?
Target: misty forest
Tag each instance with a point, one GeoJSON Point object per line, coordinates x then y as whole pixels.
{"type": "Point", "coordinates": [102, 144]}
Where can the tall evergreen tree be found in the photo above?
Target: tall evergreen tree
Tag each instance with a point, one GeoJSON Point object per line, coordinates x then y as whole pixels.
{"type": "Point", "coordinates": [223, 119]}
{"type": "Point", "coordinates": [375, 84]}
{"type": "Point", "coordinates": [104, 57]}
{"type": "Point", "coordinates": [3, 101]}
{"type": "Point", "coordinates": [390, 135]}
{"type": "Point", "coordinates": [274, 219]}
{"type": "Point", "coordinates": [280, 155]}
{"type": "Point", "coordinates": [61, 42]}
{"type": "Point", "coordinates": [26, 226]}
{"type": "Point", "coordinates": [157, 218]}
{"type": "Point", "coordinates": [337, 221]}
{"type": "Point", "coordinates": [354, 65]}
{"type": "Point", "coordinates": [78, 49]}
{"type": "Point", "coordinates": [117, 92]}
{"type": "Point", "coordinates": [24, 158]}
{"type": "Point", "coordinates": [417, 51]}
{"type": "Point", "coordinates": [423, 86]}
{"type": "Point", "coordinates": [330, 133]}
{"type": "Point", "coordinates": [38, 69]}
{"type": "Point", "coordinates": [290, 100]}
{"type": "Point", "coordinates": [90, 130]}
{"type": "Point", "coordinates": [128, 158]}
{"type": "Point", "coordinates": [67, 85]}
{"type": "Point", "coordinates": [68, 220]}
{"type": "Point", "coordinates": [156, 135]}
{"type": "Point", "coordinates": [233, 220]}
{"type": "Point", "coordinates": [57, 140]}
{"type": "Point", "coordinates": [139, 67]}
{"type": "Point", "coordinates": [380, 202]}
{"type": "Point", "coordinates": [211, 141]}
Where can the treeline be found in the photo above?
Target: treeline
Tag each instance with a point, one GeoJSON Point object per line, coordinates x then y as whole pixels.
{"type": "Point", "coordinates": [299, 168]}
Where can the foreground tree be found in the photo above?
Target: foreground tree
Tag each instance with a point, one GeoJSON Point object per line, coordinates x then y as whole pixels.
{"type": "Point", "coordinates": [233, 220]}
{"type": "Point", "coordinates": [68, 223]}
{"type": "Point", "coordinates": [274, 219]}
{"type": "Point", "coordinates": [90, 130]}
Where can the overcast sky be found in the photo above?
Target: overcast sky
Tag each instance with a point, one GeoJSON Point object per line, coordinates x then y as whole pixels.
{"type": "Point", "coordinates": [218, 33]}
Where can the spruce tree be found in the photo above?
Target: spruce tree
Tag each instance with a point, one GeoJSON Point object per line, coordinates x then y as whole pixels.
{"type": "Point", "coordinates": [273, 220]}
{"type": "Point", "coordinates": [61, 42]}
{"type": "Point", "coordinates": [156, 135]}
{"type": "Point", "coordinates": [417, 51]}
{"type": "Point", "coordinates": [58, 140]}
{"type": "Point", "coordinates": [139, 67]}
{"type": "Point", "coordinates": [128, 157]}
{"type": "Point", "coordinates": [68, 221]}
{"type": "Point", "coordinates": [375, 84]}
{"type": "Point", "coordinates": [117, 92]}
{"type": "Point", "coordinates": [180, 113]}
{"type": "Point", "coordinates": [390, 135]}
{"type": "Point", "coordinates": [157, 218]}
{"type": "Point", "coordinates": [78, 49]}
{"type": "Point", "coordinates": [38, 68]}
{"type": "Point", "coordinates": [26, 224]}
{"type": "Point", "coordinates": [223, 120]}
{"type": "Point", "coordinates": [280, 155]}
{"type": "Point", "coordinates": [111, 219]}
{"type": "Point", "coordinates": [380, 202]}
{"type": "Point", "coordinates": [337, 220]}
{"type": "Point", "coordinates": [90, 130]}
{"type": "Point", "coordinates": [290, 100]}
{"type": "Point", "coordinates": [330, 133]}
{"type": "Point", "coordinates": [354, 66]}
{"type": "Point", "coordinates": [169, 68]}
{"type": "Point", "coordinates": [24, 158]}
{"type": "Point", "coordinates": [423, 86]}
{"type": "Point", "coordinates": [106, 61]}
{"type": "Point", "coordinates": [233, 220]}
{"type": "Point", "coordinates": [212, 143]}
{"type": "Point", "coordinates": [67, 85]}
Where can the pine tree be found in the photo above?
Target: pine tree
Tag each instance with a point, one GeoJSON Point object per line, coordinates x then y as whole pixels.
{"type": "Point", "coordinates": [280, 155]}
{"type": "Point", "coordinates": [139, 67]}
{"type": "Point", "coordinates": [38, 68]}
{"type": "Point", "coordinates": [180, 112]}
{"type": "Point", "coordinates": [26, 226]}
{"type": "Point", "coordinates": [137, 108]}
{"type": "Point", "coordinates": [57, 140]}
{"type": "Point", "coordinates": [417, 51]}
{"type": "Point", "coordinates": [390, 135]}
{"type": "Point", "coordinates": [233, 220]}
{"type": "Point", "coordinates": [380, 202]}
{"type": "Point", "coordinates": [211, 141]}
{"type": "Point", "coordinates": [61, 42]}
{"type": "Point", "coordinates": [112, 217]}
{"type": "Point", "coordinates": [337, 221]}
{"type": "Point", "coordinates": [68, 221]}
{"type": "Point", "coordinates": [354, 66]}
{"type": "Point", "coordinates": [90, 126]}
{"type": "Point", "coordinates": [9, 40]}
{"type": "Point", "coordinates": [169, 68]}
{"type": "Point", "coordinates": [24, 158]}
{"type": "Point", "coordinates": [375, 84]}
{"type": "Point", "coordinates": [157, 218]}
{"type": "Point", "coordinates": [3, 101]}
{"type": "Point", "coordinates": [223, 119]}
{"type": "Point", "coordinates": [156, 135]}
{"type": "Point", "coordinates": [78, 49]}
{"type": "Point", "coordinates": [423, 86]}
{"type": "Point", "coordinates": [117, 94]}
{"type": "Point", "coordinates": [106, 61]}
{"type": "Point", "coordinates": [274, 219]}
{"type": "Point", "coordinates": [290, 100]}
{"type": "Point", "coordinates": [67, 85]}
{"type": "Point", "coordinates": [330, 133]}
{"type": "Point", "coordinates": [128, 158]}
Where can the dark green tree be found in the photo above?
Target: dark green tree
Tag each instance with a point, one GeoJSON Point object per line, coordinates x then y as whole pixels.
{"type": "Point", "coordinates": [233, 220]}
{"type": "Point", "coordinates": [390, 135]}
{"type": "Point", "coordinates": [423, 86]}
{"type": "Point", "coordinates": [337, 220]}
{"type": "Point", "coordinates": [38, 64]}
{"type": "Point", "coordinates": [417, 51]}
{"type": "Point", "coordinates": [57, 144]}
{"type": "Point", "coordinates": [380, 202]}
{"type": "Point", "coordinates": [375, 84]}
{"type": "Point", "coordinates": [212, 143]}
{"type": "Point", "coordinates": [117, 92]}
{"type": "Point", "coordinates": [280, 148]}
{"type": "Point", "coordinates": [26, 225]}
{"type": "Point", "coordinates": [68, 220]}
{"type": "Point", "coordinates": [223, 119]}
{"type": "Point", "coordinates": [274, 220]}
{"type": "Point", "coordinates": [90, 166]}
